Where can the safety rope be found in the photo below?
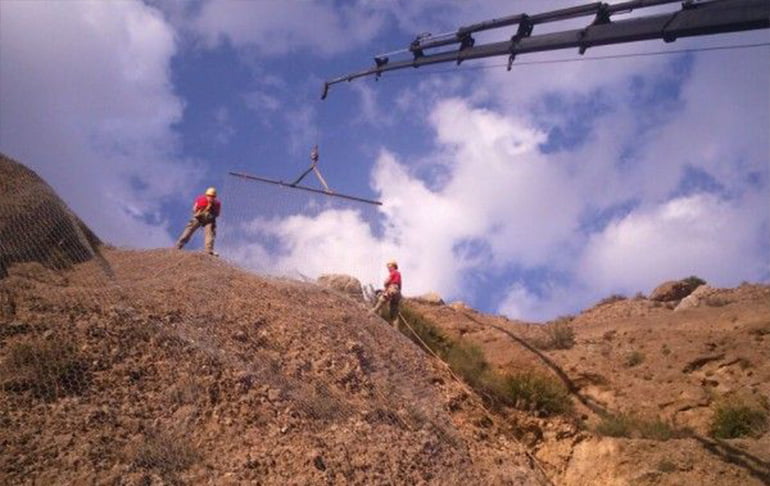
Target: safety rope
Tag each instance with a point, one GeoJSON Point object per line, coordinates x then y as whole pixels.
{"type": "Point", "coordinates": [471, 393]}
{"type": "Point", "coordinates": [571, 388]}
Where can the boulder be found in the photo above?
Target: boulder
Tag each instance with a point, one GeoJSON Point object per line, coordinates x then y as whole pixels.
{"type": "Point", "coordinates": [673, 290]}
{"type": "Point", "coordinates": [696, 298]}
{"type": "Point", "coordinates": [460, 306]}
{"type": "Point", "coordinates": [342, 283]}
{"type": "Point", "coordinates": [430, 298]}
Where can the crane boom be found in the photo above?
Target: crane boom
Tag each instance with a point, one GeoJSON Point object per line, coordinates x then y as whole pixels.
{"type": "Point", "coordinates": [692, 19]}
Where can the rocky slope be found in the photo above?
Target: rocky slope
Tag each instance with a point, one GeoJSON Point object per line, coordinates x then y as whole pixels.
{"type": "Point", "coordinates": [165, 367]}
{"type": "Point", "coordinates": [179, 367]}
{"type": "Point", "coordinates": [643, 370]}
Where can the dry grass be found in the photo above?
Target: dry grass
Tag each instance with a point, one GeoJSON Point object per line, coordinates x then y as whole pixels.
{"type": "Point", "coordinates": [629, 426]}
{"type": "Point", "coordinates": [49, 368]}
{"type": "Point", "coordinates": [559, 334]}
{"type": "Point", "coordinates": [611, 300]}
{"type": "Point", "coordinates": [165, 453]}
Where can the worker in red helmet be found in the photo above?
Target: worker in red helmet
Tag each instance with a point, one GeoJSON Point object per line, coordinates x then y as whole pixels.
{"type": "Point", "coordinates": [206, 210]}
{"type": "Point", "coordinates": [391, 293]}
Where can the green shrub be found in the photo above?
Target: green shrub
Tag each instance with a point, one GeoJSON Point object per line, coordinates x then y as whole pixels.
{"type": "Point", "coordinates": [464, 359]}
{"type": "Point", "coordinates": [737, 419]}
{"type": "Point", "coordinates": [48, 368]}
{"type": "Point", "coordinates": [694, 281]}
{"type": "Point", "coordinates": [615, 426]}
{"type": "Point", "coordinates": [468, 361]}
{"type": "Point", "coordinates": [557, 334]}
{"type": "Point", "coordinates": [528, 391]}
{"type": "Point", "coordinates": [560, 335]}
{"type": "Point", "coordinates": [427, 332]}
{"type": "Point", "coordinates": [611, 299]}
{"type": "Point", "coordinates": [623, 425]}
{"type": "Point", "coordinates": [536, 392]}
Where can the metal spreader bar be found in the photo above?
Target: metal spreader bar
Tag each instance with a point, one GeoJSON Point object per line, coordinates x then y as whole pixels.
{"type": "Point", "coordinates": [295, 185]}
{"type": "Point", "coordinates": [694, 18]}
{"type": "Point", "coordinates": [304, 188]}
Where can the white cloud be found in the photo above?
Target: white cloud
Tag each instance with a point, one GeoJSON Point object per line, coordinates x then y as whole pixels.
{"type": "Point", "coordinates": [262, 102]}
{"type": "Point", "coordinates": [519, 302]}
{"type": "Point", "coordinates": [88, 104]}
{"type": "Point", "coordinates": [224, 130]}
{"type": "Point", "coordinates": [720, 241]}
{"type": "Point", "coordinates": [332, 241]}
{"type": "Point", "coordinates": [519, 200]}
{"type": "Point", "coordinates": [529, 207]}
{"type": "Point", "coordinates": [370, 107]}
{"type": "Point", "coordinates": [338, 240]}
{"type": "Point", "coordinates": [280, 27]}
{"type": "Point", "coordinates": [422, 226]}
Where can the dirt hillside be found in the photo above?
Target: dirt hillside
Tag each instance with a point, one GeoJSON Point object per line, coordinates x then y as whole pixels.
{"type": "Point", "coordinates": [174, 367]}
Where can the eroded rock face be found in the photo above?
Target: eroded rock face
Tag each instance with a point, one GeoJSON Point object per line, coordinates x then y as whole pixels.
{"type": "Point", "coordinates": [342, 283]}
{"type": "Point", "coordinates": [36, 225]}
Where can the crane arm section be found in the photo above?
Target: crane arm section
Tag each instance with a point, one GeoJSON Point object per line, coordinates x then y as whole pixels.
{"type": "Point", "coordinates": [692, 19]}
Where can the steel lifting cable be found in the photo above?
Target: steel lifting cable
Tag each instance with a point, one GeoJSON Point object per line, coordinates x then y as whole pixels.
{"type": "Point", "coordinates": [295, 184]}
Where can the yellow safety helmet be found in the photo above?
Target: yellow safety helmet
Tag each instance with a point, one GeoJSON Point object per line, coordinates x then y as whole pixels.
{"type": "Point", "coordinates": [392, 263]}
{"type": "Point", "coordinates": [211, 191]}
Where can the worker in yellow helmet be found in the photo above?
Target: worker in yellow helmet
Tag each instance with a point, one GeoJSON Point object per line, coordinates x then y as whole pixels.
{"type": "Point", "coordinates": [206, 210]}
{"type": "Point", "coordinates": [391, 293]}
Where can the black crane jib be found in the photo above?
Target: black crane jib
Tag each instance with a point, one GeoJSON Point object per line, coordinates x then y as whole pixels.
{"type": "Point", "coordinates": [694, 18]}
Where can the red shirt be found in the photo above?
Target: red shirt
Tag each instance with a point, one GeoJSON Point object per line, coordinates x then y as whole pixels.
{"type": "Point", "coordinates": [394, 278]}
{"type": "Point", "coordinates": [202, 203]}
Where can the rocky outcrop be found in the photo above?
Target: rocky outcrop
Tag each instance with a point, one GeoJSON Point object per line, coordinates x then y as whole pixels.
{"type": "Point", "coordinates": [673, 290]}
{"type": "Point", "coordinates": [36, 225]}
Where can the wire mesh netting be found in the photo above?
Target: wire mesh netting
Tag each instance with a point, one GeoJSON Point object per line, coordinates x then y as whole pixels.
{"type": "Point", "coordinates": [278, 230]}
{"type": "Point", "coordinates": [166, 366]}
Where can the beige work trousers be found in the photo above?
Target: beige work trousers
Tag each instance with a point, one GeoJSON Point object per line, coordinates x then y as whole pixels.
{"type": "Point", "coordinates": [392, 296]}
{"type": "Point", "coordinates": [209, 228]}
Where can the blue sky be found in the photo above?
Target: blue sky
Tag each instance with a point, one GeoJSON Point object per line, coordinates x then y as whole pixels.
{"type": "Point", "coordinates": [532, 193]}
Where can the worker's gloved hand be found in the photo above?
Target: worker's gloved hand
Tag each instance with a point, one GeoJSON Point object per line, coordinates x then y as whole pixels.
{"type": "Point", "coordinates": [204, 217]}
